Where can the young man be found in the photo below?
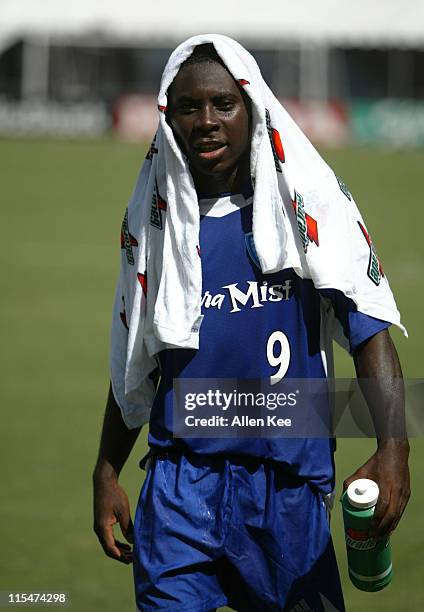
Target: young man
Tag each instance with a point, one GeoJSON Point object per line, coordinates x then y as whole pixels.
{"type": "Point", "coordinates": [217, 226]}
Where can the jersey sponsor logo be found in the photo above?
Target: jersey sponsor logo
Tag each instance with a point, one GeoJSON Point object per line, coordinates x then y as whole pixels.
{"type": "Point", "coordinates": [344, 189]}
{"type": "Point", "coordinates": [251, 249]}
{"type": "Point", "coordinates": [243, 82]}
{"type": "Point", "coordinates": [158, 205]}
{"type": "Point", "coordinates": [127, 240]}
{"type": "Point", "coordinates": [276, 144]}
{"type": "Point", "coordinates": [307, 226]}
{"type": "Point", "coordinates": [375, 269]}
{"type": "Point", "coordinates": [256, 295]}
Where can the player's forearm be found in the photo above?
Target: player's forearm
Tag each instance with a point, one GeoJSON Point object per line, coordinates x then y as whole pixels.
{"type": "Point", "coordinates": [116, 442]}
{"type": "Point", "coordinates": [380, 377]}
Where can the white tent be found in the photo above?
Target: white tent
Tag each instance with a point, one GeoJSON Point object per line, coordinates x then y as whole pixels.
{"type": "Point", "coordinates": [268, 23]}
{"type": "Point", "coordinates": [312, 25]}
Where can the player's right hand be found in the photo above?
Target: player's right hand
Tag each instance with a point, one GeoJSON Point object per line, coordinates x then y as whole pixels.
{"type": "Point", "coordinates": [111, 506]}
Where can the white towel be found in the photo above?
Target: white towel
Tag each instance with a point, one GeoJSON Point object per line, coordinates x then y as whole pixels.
{"type": "Point", "coordinates": [303, 218]}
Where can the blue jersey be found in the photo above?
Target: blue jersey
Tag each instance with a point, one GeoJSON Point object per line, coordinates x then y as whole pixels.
{"type": "Point", "coordinates": [243, 310]}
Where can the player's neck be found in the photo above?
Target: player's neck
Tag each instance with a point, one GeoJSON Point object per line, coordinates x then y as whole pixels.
{"type": "Point", "coordinates": [238, 181]}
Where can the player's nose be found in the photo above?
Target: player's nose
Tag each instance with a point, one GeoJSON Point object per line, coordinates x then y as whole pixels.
{"type": "Point", "coordinates": [207, 119]}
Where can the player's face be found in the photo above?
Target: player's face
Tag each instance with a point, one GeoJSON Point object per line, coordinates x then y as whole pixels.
{"type": "Point", "coordinates": [210, 120]}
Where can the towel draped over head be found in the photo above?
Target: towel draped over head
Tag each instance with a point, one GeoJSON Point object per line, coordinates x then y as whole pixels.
{"type": "Point", "coordinates": [303, 218]}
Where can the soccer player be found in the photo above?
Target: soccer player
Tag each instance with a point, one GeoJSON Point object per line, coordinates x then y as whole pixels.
{"type": "Point", "coordinates": [236, 521]}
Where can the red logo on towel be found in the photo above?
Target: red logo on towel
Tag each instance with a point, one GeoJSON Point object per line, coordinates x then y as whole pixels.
{"type": "Point", "coordinates": [161, 202]}
{"type": "Point", "coordinates": [131, 239]}
{"type": "Point", "coordinates": [158, 205]}
{"type": "Point", "coordinates": [276, 144]}
{"type": "Point", "coordinates": [307, 226]}
{"type": "Point", "coordinates": [143, 281]}
{"type": "Point", "coordinates": [127, 240]}
{"type": "Point", "coordinates": [243, 82]}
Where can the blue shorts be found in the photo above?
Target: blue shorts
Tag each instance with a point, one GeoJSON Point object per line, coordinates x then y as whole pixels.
{"type": "Point", "coordinates": [220, 531]}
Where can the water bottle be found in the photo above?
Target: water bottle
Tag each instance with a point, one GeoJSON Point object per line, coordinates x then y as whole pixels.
{"type": "Point", "coordinates": [369, 560]}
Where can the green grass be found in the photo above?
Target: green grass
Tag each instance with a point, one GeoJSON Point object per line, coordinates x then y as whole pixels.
{"type": "Point", "coordinates": [62, 206]}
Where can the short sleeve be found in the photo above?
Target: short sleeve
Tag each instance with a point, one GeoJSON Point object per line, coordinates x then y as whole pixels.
{"type": "Point", "coordinates": [355, 326]}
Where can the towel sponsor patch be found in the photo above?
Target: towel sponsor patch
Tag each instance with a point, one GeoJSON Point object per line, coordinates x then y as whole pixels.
{"type": "Point", "coordinates": [276, 144]}
{"type": "Point", "coordinates": [375, 269]}
{"type": "Point", "coordinates": [196, 325]}
{"type": "Point", "coordinates": [127, 240]}
{"type": "Point", "coordinates": [307, 226]}
{"type": "Point", "coordinates": [158, 205]}
{"type": "Point", "coordinates": [152, 150]}
{"type": "Point", "coordinates": [344, 189]}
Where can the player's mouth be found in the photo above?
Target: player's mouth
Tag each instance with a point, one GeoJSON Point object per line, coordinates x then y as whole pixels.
{"type": "Point", "coordinates": [210, 149]}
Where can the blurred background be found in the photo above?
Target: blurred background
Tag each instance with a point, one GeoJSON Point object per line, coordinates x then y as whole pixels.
{"type": "Point", "coordinates": [77, 111]}
{"type": "Point", "coordinates": [348, 73]}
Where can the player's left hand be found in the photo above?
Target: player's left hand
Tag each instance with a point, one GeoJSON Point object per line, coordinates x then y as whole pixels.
{"type": "Point", "coordinates": [388, 467]}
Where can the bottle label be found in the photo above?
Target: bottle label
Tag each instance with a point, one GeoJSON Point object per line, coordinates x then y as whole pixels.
{"type": "Point", "coordinates": [359, 540]}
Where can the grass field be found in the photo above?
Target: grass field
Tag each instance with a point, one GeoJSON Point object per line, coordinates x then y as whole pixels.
{"type": "Point", "coordinates": [62, 205]}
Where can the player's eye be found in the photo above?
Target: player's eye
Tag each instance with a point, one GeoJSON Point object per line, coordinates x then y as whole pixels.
{"type": "Point", "coordinates": [224, 104]}
{"type": "Point", "coordinates": [187, 106]}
